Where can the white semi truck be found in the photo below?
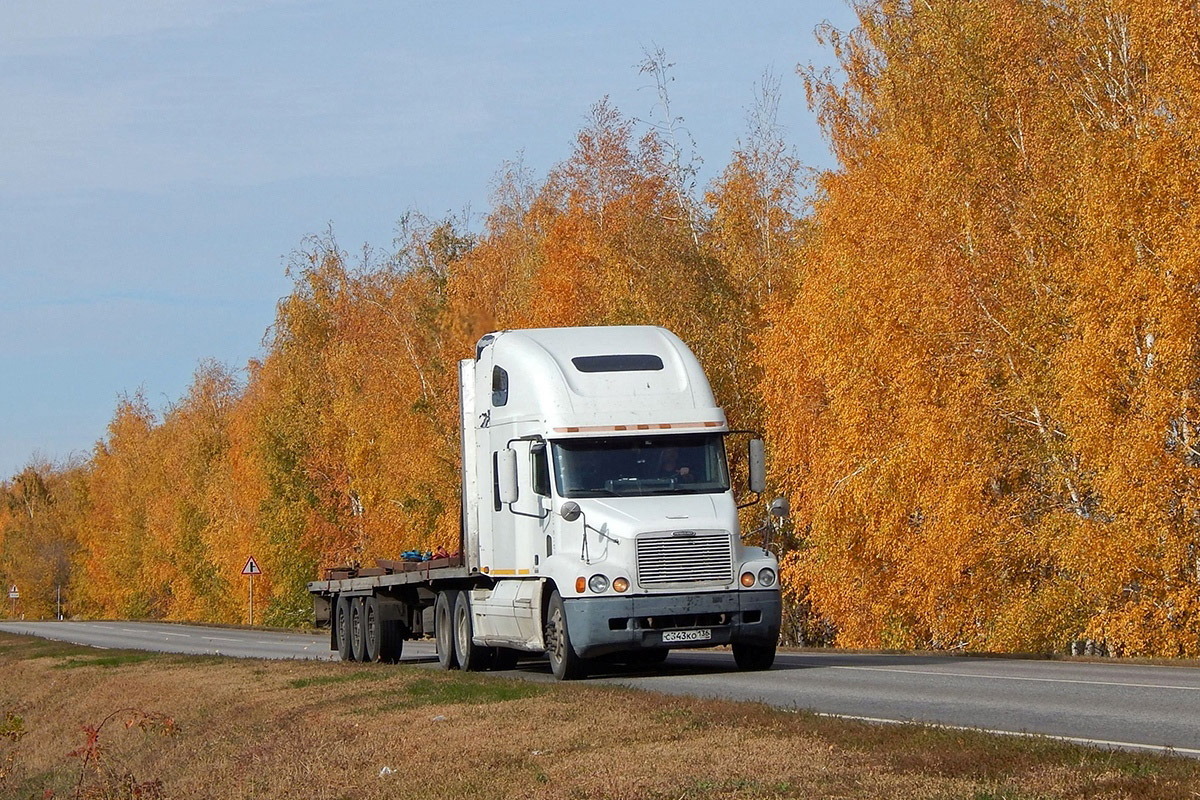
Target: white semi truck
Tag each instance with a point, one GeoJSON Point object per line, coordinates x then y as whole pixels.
{"type": "Point", "coordinates": [598, 518]}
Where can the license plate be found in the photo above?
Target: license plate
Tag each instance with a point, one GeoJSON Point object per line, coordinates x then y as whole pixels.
{"type": "Point", "coordinates": [701, 635]}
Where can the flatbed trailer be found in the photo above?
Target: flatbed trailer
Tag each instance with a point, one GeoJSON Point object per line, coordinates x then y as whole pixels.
{"type": "Point", "coordinates": [371, 611]}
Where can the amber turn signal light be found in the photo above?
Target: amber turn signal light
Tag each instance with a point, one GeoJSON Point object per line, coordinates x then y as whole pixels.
{"type": "Point", "coordinates": [620, 585]}
{"type": "Point", "coordinates": [747, 579]}
{"type": "Point", "coordinates": [580, 584]}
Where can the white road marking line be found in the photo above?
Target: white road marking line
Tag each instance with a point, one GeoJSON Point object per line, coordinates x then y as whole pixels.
{"type": "Point", "coordinates": [1158, 748]}
{"type": "Point", "coordinates": [1021, 678]}
{"type": "Point", "coordinates": [183, 635]}
{"type": "Point", "coordinates": [219, 639]}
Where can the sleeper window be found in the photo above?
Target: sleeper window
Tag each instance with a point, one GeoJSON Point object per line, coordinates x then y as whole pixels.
{"type": "Point", "coordinates": [499, 386]}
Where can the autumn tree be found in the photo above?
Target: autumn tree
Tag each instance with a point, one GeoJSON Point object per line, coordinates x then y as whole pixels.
{"type": "Point", "coordinates": [949, 403]}
{"type": "Point", "coordinates": [120, 563]}
{"type": "Point", "coordinates": [40, 513]}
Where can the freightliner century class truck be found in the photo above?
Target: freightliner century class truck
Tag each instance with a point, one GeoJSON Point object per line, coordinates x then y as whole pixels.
{"type": "Point", "coordinates": [598, 518]}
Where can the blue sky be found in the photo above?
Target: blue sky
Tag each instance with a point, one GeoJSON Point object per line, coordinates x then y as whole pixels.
{"type": "Point", "coordinates": [160, 159]}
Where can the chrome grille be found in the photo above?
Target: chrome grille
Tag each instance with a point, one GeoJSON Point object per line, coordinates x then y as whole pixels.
{"type": "Point", "coordinates": [684, 558]}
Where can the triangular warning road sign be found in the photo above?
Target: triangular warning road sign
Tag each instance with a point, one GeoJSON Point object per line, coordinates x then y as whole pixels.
{"type": "Point", "coordinates": [251, 567]}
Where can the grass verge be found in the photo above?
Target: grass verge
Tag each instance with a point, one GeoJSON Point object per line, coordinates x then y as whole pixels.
{"type": "Point", "coordinates": [81, 722]}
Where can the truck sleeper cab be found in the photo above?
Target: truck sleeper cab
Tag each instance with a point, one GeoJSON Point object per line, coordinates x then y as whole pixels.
{"type": "Point", "coordinates": [598, 519]}
{"type": "Point", "coordinates": [604, 451]}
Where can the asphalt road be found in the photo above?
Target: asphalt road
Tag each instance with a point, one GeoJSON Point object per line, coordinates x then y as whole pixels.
{"type": "Point", "coordinates": [1110, 704]}
{"type": "Point", "coordinates": [171, 638]}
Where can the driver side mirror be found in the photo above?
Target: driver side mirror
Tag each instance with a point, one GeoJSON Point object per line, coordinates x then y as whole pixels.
{"type": "Point", "coordinates": [506, 475]}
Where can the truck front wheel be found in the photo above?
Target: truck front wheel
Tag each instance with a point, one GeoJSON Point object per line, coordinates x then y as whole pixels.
{"type": "Point", "coordinates": [752, 657]}
{"type": "Point", "coordinates": [443, 630]}
{"type": "Point", "coordinates": [564, 662]}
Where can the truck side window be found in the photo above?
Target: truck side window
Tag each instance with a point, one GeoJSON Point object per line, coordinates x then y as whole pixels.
{"type": "Point", "coordinates": [499, 386]}
{"type": "Point", "coordinates": [541, 469]}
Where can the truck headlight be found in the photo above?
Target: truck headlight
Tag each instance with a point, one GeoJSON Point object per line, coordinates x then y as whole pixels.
{"type": "Point", "coordinates": [747, 579]}
{"type": "Point", "coordinates": [620, 584]}
{"type": "Point", "coordinates": [766, 576]}
{"type": "Point", "coordinates": [598, 583]}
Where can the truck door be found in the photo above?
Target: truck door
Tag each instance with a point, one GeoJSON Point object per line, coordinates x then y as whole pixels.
{"type": "Point", "coordinates": [531, 520]}
{"type": "Point", "coordinates": [497, 548]}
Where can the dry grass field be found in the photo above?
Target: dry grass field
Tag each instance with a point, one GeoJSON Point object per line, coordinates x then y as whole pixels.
{"type": "Point", "coordinates": [76, 722]}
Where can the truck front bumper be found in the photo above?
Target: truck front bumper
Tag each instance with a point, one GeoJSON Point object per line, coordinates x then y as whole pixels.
{"type": "Point", "coordinates": [601, 625]}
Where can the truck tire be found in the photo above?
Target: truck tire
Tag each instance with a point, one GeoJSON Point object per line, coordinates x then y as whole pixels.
{"type": "Point", "coordinates": [392, 645]}
{"type": "Point", "coordinates": [443, 630]}
{"type": "Point", "coordinates": [753, 657]}
{"type": "Point", "coordinates": [358, 629]}
{"type": "Point", "coordinates": [471, 657]}
{"type": "Point", "coordinates": [383, 642]}
{"type": "Point", "coordinates": [341, 621]}
{"type": "Point", "coordinates": [565, 663]}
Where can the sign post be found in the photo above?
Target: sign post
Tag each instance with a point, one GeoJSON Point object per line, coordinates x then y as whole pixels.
{"type": "Point", "coordinates": [14, 595]}
{"type": "Point", "coordinates": [251, 569]}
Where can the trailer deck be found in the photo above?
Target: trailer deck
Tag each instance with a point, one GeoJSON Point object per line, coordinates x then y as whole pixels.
{"type": "Point", "coordinates": [355, 581]}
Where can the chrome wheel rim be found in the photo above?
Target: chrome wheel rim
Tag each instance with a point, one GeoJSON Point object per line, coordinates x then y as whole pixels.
{"type": "Point", "coordinates": [558, 650]}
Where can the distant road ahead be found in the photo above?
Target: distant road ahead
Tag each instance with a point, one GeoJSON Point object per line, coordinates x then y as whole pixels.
{"type": "Point", "coordinates": [1114, 704]}
{"type": "Point", "coordinates": [169, 638]}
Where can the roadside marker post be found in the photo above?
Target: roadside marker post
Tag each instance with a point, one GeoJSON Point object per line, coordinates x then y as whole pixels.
{"type": "Point", "coordinates": [14, 594]}
{"type": "Point", "coordinates": [251, 569]}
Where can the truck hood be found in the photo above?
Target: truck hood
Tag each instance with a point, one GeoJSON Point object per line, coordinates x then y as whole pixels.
{"type": "Point", "coordinates": [625, 517]}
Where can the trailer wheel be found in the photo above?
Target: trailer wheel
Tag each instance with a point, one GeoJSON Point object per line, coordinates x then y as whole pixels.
{"type": "Point", "coordinates": [443, 630]}
{"type": "Point", "coordinates": [565, 663]}
{"type": "Point", "coordinates": [358, 629]}
{"type": "Point", "coordinates": [341, 620]}
{"type": "Point", "coordinates": [471, 657]}
{"type": "Point", "coordinates": [374, 629]}
{"type": "Point", "coordinates": [753, 657]}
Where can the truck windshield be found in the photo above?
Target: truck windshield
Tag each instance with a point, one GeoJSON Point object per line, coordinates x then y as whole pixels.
{"type": "Point", "coordinates": [636, 465]}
